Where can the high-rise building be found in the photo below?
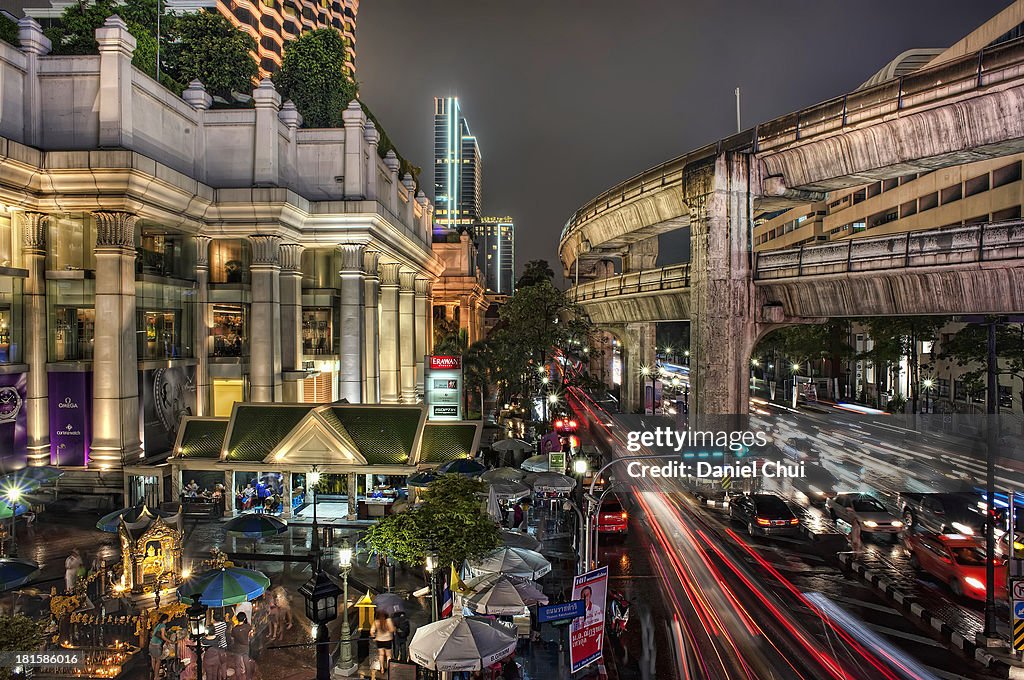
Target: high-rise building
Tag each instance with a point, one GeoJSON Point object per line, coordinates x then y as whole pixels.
{"type": "Point", "coordinates": [457, 167]}
{"type": "Point", "coordinates": [271, 23]}
{"type": "Point", "coordinates": [496, 238]}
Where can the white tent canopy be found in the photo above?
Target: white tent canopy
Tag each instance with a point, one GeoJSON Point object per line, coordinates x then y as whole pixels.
{"type": "Point", "coordinates": [519, 539]}
{"type": "Point", "coordinates": [551, 482]}
{"type": "Point", "coordinates": [503, 474]}
{"type": "Point", "coordinates": [503, 595]}
{"type": "Point", "coordinates": [512, 445]}
{"type": "Point", "coordinates": [461, 644]}
{"type": "Point", "coordinates": [507, 560]}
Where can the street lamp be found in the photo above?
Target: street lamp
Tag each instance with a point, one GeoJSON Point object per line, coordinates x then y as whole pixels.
{"type": "Point", "coordinates": [313, 479]}
{"type": "Point", "coordinates": [196, 615]}
{"type": "Point", "coordinates": [645, 372]}
{"type": "Point", "coordinates": [928, 384]}
{"type": "Point", "coordinates": [430, 563]}
{"type": "Point", "coordinates": [13, 496]}
{"type": "Point", "coordinates": [347, 666]}
{"type": "Point", "coordinates": [321, 594]}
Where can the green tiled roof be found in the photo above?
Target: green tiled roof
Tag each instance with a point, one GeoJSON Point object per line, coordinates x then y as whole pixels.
{"type": "Point", "coordinates": [259, 428]}
{"type": "Point", "coordinates": [385, 436]}
{"type": "Point", "coordinates": [442, 443]}
{"type": "Point", "coordinates": [203, 438]}
{"type": "Point", "coordinates": [331, 418]}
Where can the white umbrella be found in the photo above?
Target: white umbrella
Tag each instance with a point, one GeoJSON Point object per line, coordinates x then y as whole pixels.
{"type": "Point", "coordinates": [552, 482]}
{"type": "Point", "coordinates": [503, 474]}
{"type": "Point", "coordinates": [503, 595]}
{"type": "Point", "coordinates": [493, 507]}
{"type": "Point", "coordinates": [538, 463]}
{"type": "Point", "coordinates": [512, 445]}
{"type": "Point", "coordinates": [519, 539]}
{"type": "Point", "coordinates": [508, 491]}
{"type": "Point", "coordinates": [461, 644]}
{"type": "Point", "coordinates": [508, 560]}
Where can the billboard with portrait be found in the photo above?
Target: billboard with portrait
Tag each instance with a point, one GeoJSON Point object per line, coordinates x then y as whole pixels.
{"type": "Point", "coordinates": [586, 633]}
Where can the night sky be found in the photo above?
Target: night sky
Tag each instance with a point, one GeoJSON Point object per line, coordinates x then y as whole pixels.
{"type": "Point", "coordinates": [568, 97]}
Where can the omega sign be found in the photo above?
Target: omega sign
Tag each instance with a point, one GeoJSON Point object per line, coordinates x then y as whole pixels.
{"type": "Point", "coordinates": [443, 387]}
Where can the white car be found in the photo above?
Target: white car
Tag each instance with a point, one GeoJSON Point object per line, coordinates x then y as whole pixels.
{"type": "Point", "coordinates": [864, 510]}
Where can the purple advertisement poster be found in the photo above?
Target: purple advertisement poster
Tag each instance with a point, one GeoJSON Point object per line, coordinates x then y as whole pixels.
{"type": "Point", "coordinates": [13, 432]}
{"type": "Point", "coordinates": [70, 406]}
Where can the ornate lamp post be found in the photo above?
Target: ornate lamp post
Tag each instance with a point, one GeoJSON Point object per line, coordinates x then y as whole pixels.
{"type": "Point", "coordinates": [431, 566]}
{"type": "Point", "coordinates": [313, 479]}
{"type": "Point", "coordinates": [13, 496]}
{"type": "Point", "coordinates": [645, 372]}
{"type": "Point", "coordinates": [321, 594]}
{"type": "Point", "coordinates": [196, 614]}
{"type": "Point", "coordinates": [347, 666]}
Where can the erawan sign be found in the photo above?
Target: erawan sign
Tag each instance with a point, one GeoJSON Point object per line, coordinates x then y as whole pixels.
{"type": "Point", "coordinates": [443, 387]}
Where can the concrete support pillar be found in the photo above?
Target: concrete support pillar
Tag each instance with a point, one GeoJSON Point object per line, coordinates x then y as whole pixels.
{"type": "Point", "coordinates": [407, 334]}
{"type": "Point", "coordinates": [353, 321]}
{"type": "Point", "coordinates": [115, 400]}
{"type": "Point", "coordinates": [229, 493]}
{"type": "Point", "coordinates": [640, 256]}
{"type": "Point", "coordinates": [286, 481]}
{"type": "Point", "coordinates": [466, 315]}
{"type": "Point", "coordinates": [265, 320]}
{"type": "Point", "coordinates": [114, 99]}
{"type": "Point", "coordinates": [371, 327]}
{"type": "Point", "coordinates": [638, 352]}
{"type": "Point", "coordinates": [390, 323]}
{"type": "Point", "coordinates": [423, 330]}
{"type": "Point", "coordinates": [291, 321]}
{"type": "Point", "coordinates": [201, 327]}
{"type": "Point", "coordinates": [723, 329]}
{"type": "Point", "coordinates": [266, 161]}
{"type": "Point", "coordinates": [354, 121]}
{"type": "Point", "coordinates": [372, 138]}
{"type": "Point", "coordinates": [353, 495]}
{"type": "Point", "coordinates": [33, 237]}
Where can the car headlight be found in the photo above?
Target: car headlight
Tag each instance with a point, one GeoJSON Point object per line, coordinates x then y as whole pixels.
{"type": "Point", "coordinates": [871, 523]}
{"type": "Point", "coordinates": [963, 528]}
{"type": "Point", "coordinates": [974, 583]}
{"type": "Point", "coordinates": [896, 523]}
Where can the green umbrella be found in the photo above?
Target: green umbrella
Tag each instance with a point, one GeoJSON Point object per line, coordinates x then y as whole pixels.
{"type": "Point", "coordinates": [224, 587]}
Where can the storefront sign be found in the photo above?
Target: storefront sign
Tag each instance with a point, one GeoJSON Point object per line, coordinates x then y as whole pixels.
{"type": "Point", "coordinates": [13, 427]}
{"type": "Point", "coordinates": [586, 634]}
{"type": "Point", "coordinates": [70, 397]}
{"type": "Point", "coordinates": [564, 610]}
{"type": "Point", "coordinates": [556, 461]}
{"type": "Point", "coordinates": [443, 387]}
{"type": "Point", "coordinates": [168, 395]}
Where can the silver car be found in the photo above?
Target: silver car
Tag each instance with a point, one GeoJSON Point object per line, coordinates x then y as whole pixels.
{"type": "Point", "coordinates": [864, 510]}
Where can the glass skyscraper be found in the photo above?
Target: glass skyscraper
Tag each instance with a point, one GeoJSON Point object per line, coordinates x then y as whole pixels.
{"type": "Point", "coordinates": [457, 167]}
{"type": "Point", "coordinates": [496, 238]}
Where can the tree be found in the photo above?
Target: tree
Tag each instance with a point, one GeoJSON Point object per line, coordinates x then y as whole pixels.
{"type": "Point", "coordinates": [75, 32]}
{"type": "Point", "coordinates": [807, 343]}
{"type": "Point", "coordinates": [8, 31]}
{"type": "Point", "coordinates": [206, 47]}
{"type": "Point", "coordinates": [314, 77]}
{"type": "Point", "coordinates": [969, 347]}
{"type": "Point", "coordinates": [19, 634]}
{"type": "Point", "coordinates": [534, 272]}
{"type": "Point", "coordinates": [895, 337]}
{"type": "Point", "coordinates": [450, 520]}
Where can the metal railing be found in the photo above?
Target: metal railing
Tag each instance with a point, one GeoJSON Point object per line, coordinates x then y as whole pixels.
{"type": "Point", "coordinates": [975, 243]}
{"type": "Point", "coordinates": [985, 68]}
{"type": "Point", "coordinates": [673, 277]}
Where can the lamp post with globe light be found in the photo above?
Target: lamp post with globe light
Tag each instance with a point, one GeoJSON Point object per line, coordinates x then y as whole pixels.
{"type": "Point", "coordinates": [347, 666]}
{"type": "Point", "coordinates": [430, 564]}
{"type": "Point", "coordinates": [313, 479]}
{"type": "Point", "coordinates": [196, 615]}
{"type": "Point", "coordinates": [645, 372]}
{"type": "Point", "coordinates": [13, 496]}
{"type": "Point", "coordinates": [928, 384]}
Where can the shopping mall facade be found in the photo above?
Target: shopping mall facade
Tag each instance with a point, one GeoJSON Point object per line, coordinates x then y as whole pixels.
{"type": "Point", "coordinates": [160, 258]}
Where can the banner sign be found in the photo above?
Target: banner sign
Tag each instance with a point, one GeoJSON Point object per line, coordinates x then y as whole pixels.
{"type": "Point", "coordinates": [168, 394]}
{"type": "Point", "coordinates": [565, 610]}
{"type": "Point", "coordinates": [586, 634]}
{"type": "Point", "coordinates": [70, 414]}
{"type": "Point", "coordinates": [13, 423]}
{"type": "Point", "coordinates": [556, 461]}
{"type": "Point", "coordinates": [443, 387]}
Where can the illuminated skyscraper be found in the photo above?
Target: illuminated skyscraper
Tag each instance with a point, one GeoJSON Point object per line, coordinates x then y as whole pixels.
{"type": "Point", "coordinates": [457, 167]}
{"type": "Point", "coordinates": [496, 239]}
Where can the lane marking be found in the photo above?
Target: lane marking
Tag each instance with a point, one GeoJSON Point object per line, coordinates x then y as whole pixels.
{"type": "Point", "coordinates": [892, 632]}
{"type": "Point", "coordinates": [866, 605]}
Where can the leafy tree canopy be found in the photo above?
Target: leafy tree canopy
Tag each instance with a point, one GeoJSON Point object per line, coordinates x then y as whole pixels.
{"type": "Point", "coordinates": [313, 76]}
{"type": "Point", "coordinates": [206, 47]}
{"type": "Point", "coordinates": [19, 634]}
{"type": "Point", "coordinates": [535, 271]}
{"type": "Point", "coordinates": [8, 30]}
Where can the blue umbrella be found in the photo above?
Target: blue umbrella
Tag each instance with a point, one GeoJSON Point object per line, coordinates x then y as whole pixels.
{"type": "Point", "coordinates": [421, 479]}
{"type": "Point", "coordinates": [5, 510]}
{"type": "Point", "coordinates": [224, 587]}
{"type": "Point", "coordinates": [110, 522]}
{"type": "Point", "coordinates": [16, 571]}
{"type": "Point", "coordinates": [255, 525]}
{"type": "Point", "coordinates": [462, 466]}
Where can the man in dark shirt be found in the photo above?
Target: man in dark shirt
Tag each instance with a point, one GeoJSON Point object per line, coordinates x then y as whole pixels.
{"type": "Point", "coordinates": [239, 639]}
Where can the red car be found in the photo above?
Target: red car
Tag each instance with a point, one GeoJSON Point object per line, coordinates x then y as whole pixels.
{"type": "Point", "coordinates": [958, 561]}
{"type": "Point", "coordinates": [612, 519]}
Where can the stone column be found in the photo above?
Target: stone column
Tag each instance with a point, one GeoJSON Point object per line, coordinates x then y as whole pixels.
{"type": "Point", "coordinates": [114, 99]}
{"type": "Point", "coordinates": [371, 327]}
{"type": "Point", "coordinates": [407, 338]}
{"type": "Point", "coordinates": [372, 138]}
{"type": "Point", "coordinates": [409, 215]}
{"type": "Point", "coordinates": [265, 320]}
{"type": "Point", "coordinates": [391, 161]}
{"type": "Point", "coordinates": [353, 320]}
{"type": "Point", "coordinates": [353, 495]}
{"type": "Point", "coordinates": [286, 511]}
{"type": "Point", "coordinates": [291, 320]}
{"type": "Point", "coordinates": [390, 351]}
{"type": "Point", "coordinates": [638, 351]}
{"type": "Point", "coordinates": [423, 317]}
{"type": "Point", "coordinates": [33, 44]}
{"type": "Point", "coordinates": [229, 493]}
{"type": "Point", "coordinates": [115, 398]}
{"type": "Point", "coordinates": [201, 326]}
{"type": "Point", "coordinates": [266, 132]}
{"type": "Point", "coordinates": [354, 121]}
{"type": "Point", "coordinates": [33, 233]}
{"type": "Point", "coordinates": [723, 328]}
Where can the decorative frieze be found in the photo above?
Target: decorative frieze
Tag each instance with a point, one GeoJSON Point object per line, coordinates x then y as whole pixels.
{"type": "Point", "coordinates": [203, 252]}
{"type": "Point", "coordinates": [266, 249]}
{"type": "Point", "coordinates": [353, 257]}
{"type": "Point", "coordinates": [371, 262]}
{"type": "Point", "coordinates": [291, 257]}
{"type": "Point", "coordinates": [33, 232]}
{"type": "Point", "coordinates": [115, 229]}
{"type": "Point", "coordinates": [424, 287]}
{"type": "Point", "coordinates": [390, 273]}
{"type": "Point", "coordinates": [407, 281]}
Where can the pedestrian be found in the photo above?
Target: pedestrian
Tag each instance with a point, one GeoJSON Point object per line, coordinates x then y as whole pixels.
{"type": "Point", "coordinates": [219, 630]}
{"type": "Point", "coordinates": [238, 644]}
{"type": "Point", "coordinates": [71, 566]}
{"type": "Point", "coordinates": [284, 605]}
{"type": "Point", "coordinates": [383, 634]}
{"type": "Point", "coordinates": [402, 631]}
{"type": "Point", "coordinates": [156, 644]}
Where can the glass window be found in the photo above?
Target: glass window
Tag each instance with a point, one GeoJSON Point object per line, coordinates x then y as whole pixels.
{"type": "Point", "coordinates": [72, 319]}
{"type": "Point", "coordinates": [6, 242]}
{"type": "Point", "coordinates": [10, 320]}
{"type": "Point", "coordinates": [70, 243]}
{"type": "Point", "coordinates": [317, 332]}
{"type": "Point", "coordinates": [164, 320]}
{"type": "Point", "coordinates": [166, 255]}
{"type": "Point", "coordinates": [230, 330]}
{"type": "Point", "coordinates": [229, 261]}
{"type": "Point", "coordinates": [318, 268]}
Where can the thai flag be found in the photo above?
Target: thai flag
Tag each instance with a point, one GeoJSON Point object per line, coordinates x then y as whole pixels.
{"type": "Point", "coordinates": [447, 602]}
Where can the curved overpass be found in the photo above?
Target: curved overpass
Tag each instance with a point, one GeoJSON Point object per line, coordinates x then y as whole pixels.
{"type": "Point", "coordinates": [963, 110]}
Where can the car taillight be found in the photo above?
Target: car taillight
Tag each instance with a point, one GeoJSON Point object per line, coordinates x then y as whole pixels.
{"type": "Point", "coordinates": [763, 522]}
{"type": "Point", "coordinates": [572, 424]}
{"type": "Point", "coordinates": [625, 515]}
{"type": "Point", "coordinates": [558, 424]}
{"type": "Point", "coordinates": [794, 521]}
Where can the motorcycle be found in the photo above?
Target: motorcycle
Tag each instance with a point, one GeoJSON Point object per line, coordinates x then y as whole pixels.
{"type": "Point", "coordinates": [618, 615]}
